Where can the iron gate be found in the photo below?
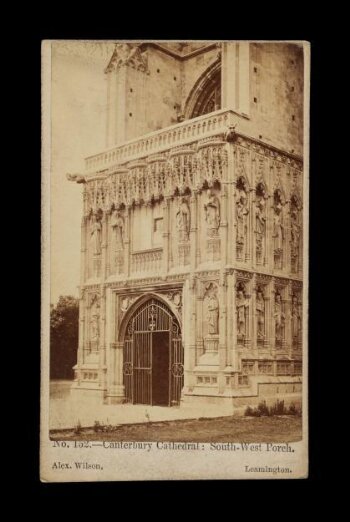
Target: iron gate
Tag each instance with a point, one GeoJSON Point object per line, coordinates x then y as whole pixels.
{"type": "Point", "coordinates": [153, 356]}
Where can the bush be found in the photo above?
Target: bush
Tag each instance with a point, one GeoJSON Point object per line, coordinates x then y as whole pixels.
{"type": "Point", "coordinates": [276, 409]}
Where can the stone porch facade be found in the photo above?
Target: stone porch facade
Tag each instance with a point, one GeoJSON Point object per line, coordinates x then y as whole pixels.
{"type": "Point", "coordinates": [203, 215]}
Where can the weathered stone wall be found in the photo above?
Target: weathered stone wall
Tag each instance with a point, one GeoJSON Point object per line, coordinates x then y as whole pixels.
{"type": "Point", "coordinates": [276, 94]}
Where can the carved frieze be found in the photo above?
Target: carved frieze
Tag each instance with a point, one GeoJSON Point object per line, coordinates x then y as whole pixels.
{"type": "Point", "coordinates": [127, 55]}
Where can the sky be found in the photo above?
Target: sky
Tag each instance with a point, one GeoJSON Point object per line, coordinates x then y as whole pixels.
{"type": "Point", "coordinates": [78, 123]}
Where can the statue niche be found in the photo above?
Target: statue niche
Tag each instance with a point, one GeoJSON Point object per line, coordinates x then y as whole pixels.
{"type": "Point", "coordinates": [242, 304]}
{"type": "Point", "coordinates": [94, 325]}
{"type": "Point", "coordinates": [212, 305]}
{"type": "Point", "coordinates": [278, 228]}
{"type": "Point", "coordinates": [118, 228]}
{"type": "Point", "coordinates": [296, 321]}
{"type": "Point", "coordinates": [295, 231]}
{"type": "Point", "coordinates": [117, 224]}
{"type": "Point", "coordinates": [183, 221]}
{"type": "Point", "coordinates": [260, 223]}
{"type": "Point", "coordinates": [279, 317]}
{"type": "Point", "coordinates": [242, 212]}
{"type": "Point", "coordinates": [95, 234]}
{"type": "Point", "coordinates": [95, 230]}
{"type": "Point", "coordinates": [260, 315]}
{"type": "Point", "coordinates": [212, 214]}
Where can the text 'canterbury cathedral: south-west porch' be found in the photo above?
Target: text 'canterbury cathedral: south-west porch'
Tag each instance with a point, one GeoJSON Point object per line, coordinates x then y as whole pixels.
{"type": "Point", "coordinates": [192, 245]}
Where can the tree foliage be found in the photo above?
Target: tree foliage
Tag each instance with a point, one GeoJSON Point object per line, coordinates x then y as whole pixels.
{"type": "Point", "coordinates": [64, 326]}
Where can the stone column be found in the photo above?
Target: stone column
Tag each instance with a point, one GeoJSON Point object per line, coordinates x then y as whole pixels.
{"type": "Point", "coordinates": [253, 228]}
{"type": "Point", "coordinates": [80, 353]}
{"type": "Point", "coordinates": [288, 321]}
{"type": "Point", "coordinates": [268, 314]}
{"type": "Point", "coordinates": [222, 328]}
{"type": "Point", "coordinates": [166, 234]}
{"type": "Point", "coordinates": [83, 256]}
{"type": "Point", "coordinates": [190, 346]}
{"type": "Point", "coordinates": [193, 231]}
{"type": "Point", "coordinates": [127, 242]}
{"type": "Point", "coordinates": [102, 340]}
{"type": "Point", "coordinates": [230, 204]}
{"type": "Point", "coordinates": [104, 246]}
{"type": "Point", "coordinates": [117, 392]}
{"type": "Point", "coordinates": [223, 226]}
{"type": "Point", "coordinates": [253, 325]}
{"type": "Point", "coordinates": [235, 76]}
{"type": "Point", "coordinates": [271, 320]}
{"type": "Point", "coordinates": [270, 263]}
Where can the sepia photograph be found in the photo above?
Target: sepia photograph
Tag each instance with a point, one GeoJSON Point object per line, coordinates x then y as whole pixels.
{"type": "Point", "coordinates": [174, 260]}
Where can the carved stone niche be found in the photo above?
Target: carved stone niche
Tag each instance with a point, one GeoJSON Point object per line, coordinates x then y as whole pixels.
{"type": "Point", "coordinates": [279, 317]}
{"type": "Point", "coordinates": [278, 228]}
{"type": "Point", "coordinates": [296, 321]}
{"type": "Point", "coordinates": [212, 217]}
{"type": "Point", "coordinates": [295, 232]}
{"type": "Point", "coordinates": [242, 211]}
{"type": "Point", "coordinates": [211, 304]}
{"type": "Point", "coordinates": [260, 223]}
{"type": "Point", "coordinates": [117, 223]}
{"type": "Point", "coordinates": [93, 328]}
{"type": "Point", "coordinates": [95, 242]}
{"type": "Point", "coordinates": [242, 314]}
{"type": "Point", "coordinates": [260, 310]}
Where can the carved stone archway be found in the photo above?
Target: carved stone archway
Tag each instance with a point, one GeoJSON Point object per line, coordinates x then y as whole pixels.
{"type": "Point", "coordinates": [153, 354]}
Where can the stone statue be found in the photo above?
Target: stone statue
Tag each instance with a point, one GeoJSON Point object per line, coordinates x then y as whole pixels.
{"type": "Point", "coordinates": [95, 233]}
{"type": "Point", "coordinates": [117, 223]}
{"type": "Point", "coordinates": [295, 235]}
{"type": "Point", "coordinates": [212, 213]}
{"type": "Point", "coordinates": [296, 319]}
{"type": "Point", "coordinates": [183, 220]}
{"type": "Point", "coordinates": [241, 305]}
{"type": "Point", "coordinates": [279, 317]}
{"type": "Point", "coordinates": [94, 328]}
{"type": "Point", "coordinates": [260, 312]}
{"type": "Point", "coordinates": [213, 315]}
{"type": "Point", "coordinates": [260, 222]}
{"type": "Point", "coordinates": [278, 229]}
{"type": "Point", "coordinates": [242, 213]}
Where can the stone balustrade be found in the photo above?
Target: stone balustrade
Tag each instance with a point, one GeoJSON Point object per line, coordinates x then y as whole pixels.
{"type": "Point", "coordinates": [214, 123]}
{"type": "Point", "coordinates": [147, 261]}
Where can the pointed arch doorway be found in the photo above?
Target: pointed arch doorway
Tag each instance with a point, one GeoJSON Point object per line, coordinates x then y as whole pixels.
{"type": "Point", "coordinates": [153, 370]}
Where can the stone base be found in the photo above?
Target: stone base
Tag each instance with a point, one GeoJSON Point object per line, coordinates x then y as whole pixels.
{"type": "Point", "coordinates": [236, 400]}
{"type": "Point", "coordinates": [116, 395]}
{"type": "Point", "coordinates": [87, 393]}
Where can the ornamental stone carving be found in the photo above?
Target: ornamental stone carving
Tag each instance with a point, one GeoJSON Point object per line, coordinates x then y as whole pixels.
{"type": "Point", "coordinates": [212, 305]}
{"type": "Point", "coordinates": [183, 220]}
{"type": "Point", "coordinates": [260, 314]}
{"type": "Point", "coordinates": [296, 319]}
{"type": "Point", "coordinates": [212, 213]}
{"type": "Point", "coordinates": [95, 234]}
{"type": "Point", "coordinates": [279, 318]}
{"type": "Point", "coordinates": [260, 222]}
{"type": "Point", "coordinates": [126, 54]}
{"type": "Point", "coordinates": [117, 224]}
{"type": "Point", "coordinates": [242, 212]}
{"type": "Point", "coordinates": [242, 303]}
{"type": "Point", "coordinates": [278, 228]}
{"type": "Point", "coordinates": [295, 231]}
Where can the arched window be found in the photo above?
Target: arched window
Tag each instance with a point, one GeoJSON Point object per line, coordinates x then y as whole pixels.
{"type": "Point", "coordinates": [205, 96]}
{"type": "Point", "coordinates": [210, 100]}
